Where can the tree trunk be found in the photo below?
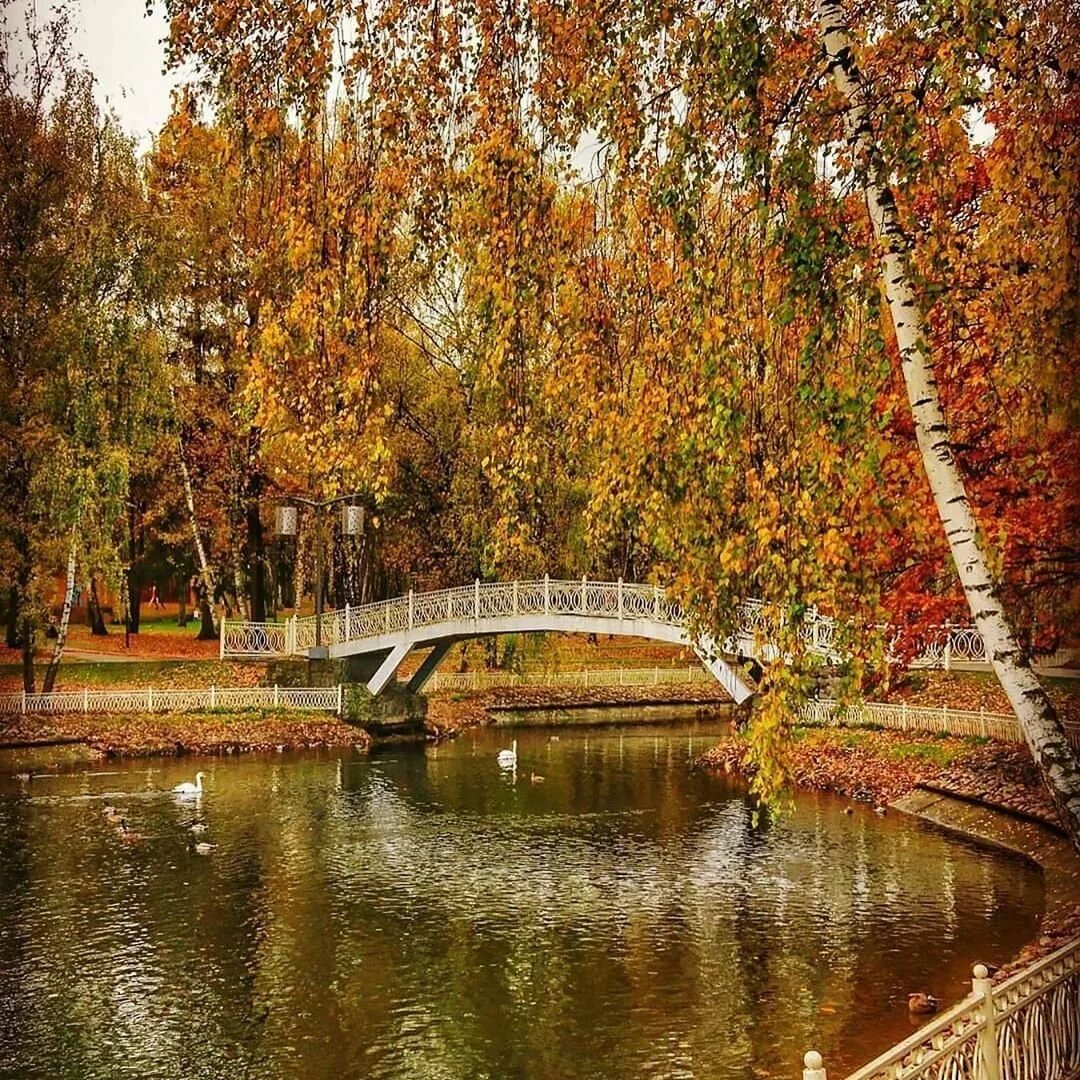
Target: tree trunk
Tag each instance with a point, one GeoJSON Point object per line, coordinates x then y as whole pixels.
{"type": "Point", "coordinates": [93, 611]}
{"type": "Point", "coordinates": [205, 589]}
{"type": "Point", "coordinates": [1039, 722]}
{"type": "Point", "coordinates": [181, 603]}
{"type": "Point", "coordinates": [238, 587]}
{"type": "Point", "coordinates": [11, 637]}
{"type": "Point", "coordinates": [23, 576]}
{"type": "Point", "coordinates": [65, 617]}
{"type": "Point", "coordinates": [256, 560]}
{"type": "Point", "coordinates": [134, 577]}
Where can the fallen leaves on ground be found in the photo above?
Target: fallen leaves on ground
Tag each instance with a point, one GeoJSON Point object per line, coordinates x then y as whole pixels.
{"type": "Point", "coordinates": [142, 734]}
{"type": "Point", "coordinates": [880, 767]}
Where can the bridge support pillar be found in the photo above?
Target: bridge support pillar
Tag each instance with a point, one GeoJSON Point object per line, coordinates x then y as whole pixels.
{"type": "Point", "coordinates": [726, 672]}
{"type": "Point", "coordinates": [427, 668]}
{"type": "Point", "coordinates": [388, 668]}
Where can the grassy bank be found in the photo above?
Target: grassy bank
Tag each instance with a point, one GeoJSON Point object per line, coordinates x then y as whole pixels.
{"type": "Point", "coordinates": [879, 767]}
{"type": "Point", "coordinates": [139, 674]}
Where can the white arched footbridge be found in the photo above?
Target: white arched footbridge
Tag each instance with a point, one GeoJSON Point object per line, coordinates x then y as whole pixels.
{"type": "Point", "coordinates": [389, 630]}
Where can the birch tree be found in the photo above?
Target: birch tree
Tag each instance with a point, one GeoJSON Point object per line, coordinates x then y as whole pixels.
{"type": "Point", "coordinates": [1038, 720]}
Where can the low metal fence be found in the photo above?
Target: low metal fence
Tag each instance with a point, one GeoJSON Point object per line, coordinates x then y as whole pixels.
{"type": "Point", "coordinates": [900, 716]}
{"type": "Point", "coordinates": [304, 698]}
{"type": "Point", "coordinates": [1025, 1028]}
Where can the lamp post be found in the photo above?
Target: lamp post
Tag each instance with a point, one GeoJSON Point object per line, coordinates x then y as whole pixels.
{"type": "Point", "coordinates": [352, 523]}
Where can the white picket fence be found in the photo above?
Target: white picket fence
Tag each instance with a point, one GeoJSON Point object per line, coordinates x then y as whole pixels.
{"type": "Point", "coordinates": [304, 698]}
{"type": "Point", "coordinates": [587, 677]}
{"type": "Point", "coordinates": [1025, 1028]}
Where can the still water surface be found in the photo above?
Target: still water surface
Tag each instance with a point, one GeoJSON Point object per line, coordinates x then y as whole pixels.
{"type": "Point", "coordinates": [422, 913]}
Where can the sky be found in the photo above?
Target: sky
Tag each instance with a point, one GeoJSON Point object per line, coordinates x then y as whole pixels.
{"type": "Point", "coordinates": [122, 46]}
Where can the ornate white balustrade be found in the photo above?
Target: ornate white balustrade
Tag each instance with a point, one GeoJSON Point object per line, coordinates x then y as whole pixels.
{"type": "Point", "coordinates": [302, 698]}
{"type": "Point", "coordinates": [573, 606]}
{"type": "Point", "coordinates": [1025, 1028]}
{"type": "Point", "coordinates": [489, 601]}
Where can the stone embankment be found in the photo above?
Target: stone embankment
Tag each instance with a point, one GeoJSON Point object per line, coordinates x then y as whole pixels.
{"type": "Point", "coordinates": [450, 713]}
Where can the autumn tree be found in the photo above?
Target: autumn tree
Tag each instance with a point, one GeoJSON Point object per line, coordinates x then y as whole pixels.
{"type": "Point", "coordinates": [73, 332]}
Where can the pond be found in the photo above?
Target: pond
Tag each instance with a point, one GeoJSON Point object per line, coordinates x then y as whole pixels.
{"type": "Point", "coordinates": [424, 913]}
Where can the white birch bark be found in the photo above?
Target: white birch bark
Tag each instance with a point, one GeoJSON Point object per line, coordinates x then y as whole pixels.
{"type": "Point", "coordinates": [1036, 715]}
{"type": "Point", "coordinates": [200, 552]}
{"type": "Point", "coordinates": [65, 618]}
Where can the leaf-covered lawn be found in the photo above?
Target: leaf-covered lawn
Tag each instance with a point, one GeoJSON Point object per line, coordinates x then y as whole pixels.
{"type": "Point", "coordinates": [206, 732]}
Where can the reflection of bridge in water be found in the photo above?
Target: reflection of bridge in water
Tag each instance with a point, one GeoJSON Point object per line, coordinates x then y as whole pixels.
{"type": "Point", "coordinates": [386, 632]}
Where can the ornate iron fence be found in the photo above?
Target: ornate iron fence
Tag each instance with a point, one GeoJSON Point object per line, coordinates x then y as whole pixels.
{"type": "Point", "coordinates": [305, 698]}
{"type": "Point", "coordinates": [900, 716]}
{"type": "Point", "coordinates": [617, 600]}
{"type": "Point", "coordinates": [1025, 1028]}
{"type": "Point", "coordinates": [481, 601]}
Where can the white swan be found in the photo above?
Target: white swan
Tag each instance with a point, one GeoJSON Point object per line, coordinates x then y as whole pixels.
{"type": "Point", "coordinates": [187, 788]}
{"type": "Point", "coordinates": [507, 759]}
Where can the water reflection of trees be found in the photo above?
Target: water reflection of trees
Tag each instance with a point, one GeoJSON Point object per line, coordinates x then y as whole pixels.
{"type": "Point", "coordinates": [422, 915]}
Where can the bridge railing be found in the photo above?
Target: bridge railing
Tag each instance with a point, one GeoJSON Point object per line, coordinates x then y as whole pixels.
{"type": "Point", "coordinates": [482, 601]}
{"type": "Point", "coordinates": [493, 600]}
{"type": "Point", "coordinates": [595, 599]}
{"type": "Point", "coordinates": [1025, 1028]}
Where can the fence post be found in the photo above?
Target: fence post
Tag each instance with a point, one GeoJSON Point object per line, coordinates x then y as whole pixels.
{"type": "Point", "coordinates": [988, 1045]}
{"type": "Point", "coordinates": [547, 594]}
{"type": "Point", "coordinates": [656, 602]}
{"type": "Point", "coordinates": [584, 595]}
{"type": "Point", "coordinates": [586, 676]}
{"type": "Point", "coordinates": [982, 720]}
{"type": "Point", "coordinates": [655, 675]}
{"type": "Point", "coordinates": [85, 700]}
{"type": "Point", "coordinates": [813, 1067]}
{"type": "Point", "coordinates": [277, 696]}
{"type": "Point", "coordinates": [515, 596]}
{"type": "Point", "coordinates": [620, 600]}
{"type": "Point", "coordinates": [149, 699]}
{"type": "Point", "coordinates": [339, 699]}
{"type": "Point", "coordinates": [22, 708]}
{"type": "Point", "coordinates": [476, 599]}
{"type": "Point", "coordinates": [903, 715]}
{"type": "Point", "coordinates": [348, 613]}
{"type": "Point", "coordinates": [213, 697]}
{"type": "Point", "coordinates": [221, 642]}
{"type": "Point", "coordinates": [410, 608]}
{"type": "Point", "coordinates": [947, 651]}
{"type": "Point", "coordinates": [386, 610]}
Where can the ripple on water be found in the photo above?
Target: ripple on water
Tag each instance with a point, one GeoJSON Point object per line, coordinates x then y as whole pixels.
{"type": "Point", "coordinates": [425, 916]}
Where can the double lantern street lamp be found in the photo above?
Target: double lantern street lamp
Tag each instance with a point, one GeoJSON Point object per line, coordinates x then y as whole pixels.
{"type": "Point", "coordinates": [352, 524]}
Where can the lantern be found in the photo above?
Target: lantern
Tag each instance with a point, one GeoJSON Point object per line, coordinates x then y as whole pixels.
{"type": "Point", "coordinates": [285, 521]}
{"type": "Point", "coordinates": [352, 520]}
